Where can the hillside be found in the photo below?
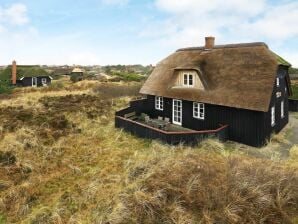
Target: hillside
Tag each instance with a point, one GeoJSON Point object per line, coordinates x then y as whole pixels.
{"type": "Point", "coordinates": [62, 161]}
{"type": "Point", "coordinates": [23, 71]}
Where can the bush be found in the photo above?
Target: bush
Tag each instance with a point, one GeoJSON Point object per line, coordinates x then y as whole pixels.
{"type": "Point", "coordinates": [76, 77]}
{"type": "Point", "coordinates": [130, 76]}
{"type": "Point", "coordinates": [5, 88]}
{"type": "Point", "coordinates": [108, 91]}
{"type": "Point", "coordinates": [7, 158]}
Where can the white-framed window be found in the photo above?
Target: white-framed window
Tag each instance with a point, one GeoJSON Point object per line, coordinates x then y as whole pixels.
{"type": "Point", "coordinates": [188, 79]}
{"type": "Point", "coordinates": [44, 81]}
{"type": "Point", "coordinates": [273, 116]}
{"type": "Point", "coordinates": [277, 82]}
{"type": "Point", "coordinates": [282, 109]}
{"type": "Point", "coordinates": [159, 103]}
{"type": "Point", "coordinates": [199, 110]}
{"type": "Point", "coordinates": [177, 112]}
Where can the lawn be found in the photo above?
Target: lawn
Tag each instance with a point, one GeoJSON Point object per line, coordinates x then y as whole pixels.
{"type": "Point", "coordinates": [62, 161]}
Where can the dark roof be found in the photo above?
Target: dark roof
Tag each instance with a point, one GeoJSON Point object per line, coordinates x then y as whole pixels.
{"type": "Point", "coordinates": [236, 75]}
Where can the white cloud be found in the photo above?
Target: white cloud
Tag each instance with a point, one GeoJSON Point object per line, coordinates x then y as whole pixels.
{"type": "Point", "coordinates": [15, 14]}
{"type": "Point", "coordinates": [230, 21]}
{"type": "Point", "coordinates": [115, 2]}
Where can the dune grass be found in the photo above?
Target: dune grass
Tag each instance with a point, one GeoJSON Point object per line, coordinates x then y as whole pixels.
{"type": "Point", "coordinates": [73, 166]}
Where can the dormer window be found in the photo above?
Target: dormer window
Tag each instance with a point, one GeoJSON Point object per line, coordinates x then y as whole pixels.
{"type": "Point", "coordinates": [188, 79]}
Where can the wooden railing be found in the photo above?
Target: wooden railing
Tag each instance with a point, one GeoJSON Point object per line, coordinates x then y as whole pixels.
{"type": "Point", "coordinates": [190, 137]}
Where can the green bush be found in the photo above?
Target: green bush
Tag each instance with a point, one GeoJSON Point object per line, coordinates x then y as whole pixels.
{"type": "Point", "coordinates": [2, 219]}
{"type": "Point", "coordinates": [295, 92]}
{"type": "Point", "coordinates": [76, 77]}
{"type": "Point", "coordinates": [5, 88]}
{"type": "Point", "coordinates": [129, 76]}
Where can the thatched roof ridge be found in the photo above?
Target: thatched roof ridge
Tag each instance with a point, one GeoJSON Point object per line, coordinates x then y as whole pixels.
{"type": "Point", "coordinates": [238, 75]}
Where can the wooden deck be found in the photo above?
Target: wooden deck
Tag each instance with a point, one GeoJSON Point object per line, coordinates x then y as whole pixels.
{"type": "Point", "coordinates": [172, 127]}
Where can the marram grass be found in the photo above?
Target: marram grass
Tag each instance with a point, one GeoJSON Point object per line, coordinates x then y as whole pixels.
{"type": "Point", "coordinates": [83, 170]}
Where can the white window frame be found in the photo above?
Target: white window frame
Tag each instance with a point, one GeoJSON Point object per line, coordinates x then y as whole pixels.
{"type": "Point", "coordinates": [177, 109]}
{"type": "Point", "coordinates": [277, 82]}
{"type": "Point", "coordinates": [273, 116]}
{"type": "Point", "coordinates": [199, 110]}
{"type": "Point", "coordinates": [44, 81]}
{"type": "Point", "coordinates": [187, 83]}
{"type": "Point", "coordinates": [158, 102]}
{"type": "Point", "coordinates": [282, 109]}
{"type": "Point", "coordinates": [34, 81]}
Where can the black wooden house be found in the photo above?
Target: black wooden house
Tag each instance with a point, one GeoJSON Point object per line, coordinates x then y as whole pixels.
{"type": "Point", "coordinates": [241, 89]}
{"type": "Point", "coordinates": [28, 76]}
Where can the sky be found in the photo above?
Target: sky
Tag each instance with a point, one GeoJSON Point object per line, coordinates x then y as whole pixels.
{"type": "Point", "coordinates": [101, 32]}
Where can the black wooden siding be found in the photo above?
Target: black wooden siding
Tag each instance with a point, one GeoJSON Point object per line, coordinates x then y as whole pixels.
{"type": "Point", "coordinates": [27, 81]}
{"type": "Point", "coordinates": [245, 126]}
{"type": "Point", "coordinates": [280, 122]}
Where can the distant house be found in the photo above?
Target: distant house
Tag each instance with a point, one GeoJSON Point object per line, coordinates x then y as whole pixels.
{"type": "Point", "coordinates": [77, 74]}
{"type": "Point", "coordinates": [25, 75]}
{"type": "Point", "coordinates": [240, 88]}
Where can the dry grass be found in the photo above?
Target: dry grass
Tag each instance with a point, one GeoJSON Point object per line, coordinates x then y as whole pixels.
{"type": "Point", "coordinates": [94, 173]}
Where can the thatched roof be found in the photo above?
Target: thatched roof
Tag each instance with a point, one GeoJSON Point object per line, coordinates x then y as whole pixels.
{"type": "Point", "coordinates": [237, 75]}
{"type": "Point", "coordinates": [77, 70]}
{"type": "Point", "coordinates": [23, 71]}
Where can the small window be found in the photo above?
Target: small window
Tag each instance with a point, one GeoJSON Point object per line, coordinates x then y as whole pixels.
{"type": "Point", "coordinates": [188, 80]}
{"type": "Point", "coordinates": [159, 103]}
{"type": "Point", "coordinates": [278, 94]}
{"type": "Point", "coordinates": [44, 81]}
{"type": "Point", "coordinates": [282, 109]}
{"type": "Point", "coordinates": [273, 116]}
{"type": "Point", "coordinates": [277, 82]}
{"type": "Point", "coordinates": [199, 110]}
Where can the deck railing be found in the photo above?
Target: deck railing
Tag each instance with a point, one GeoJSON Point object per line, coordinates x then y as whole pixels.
{"type": "Point", "coordinates": [190, 137]}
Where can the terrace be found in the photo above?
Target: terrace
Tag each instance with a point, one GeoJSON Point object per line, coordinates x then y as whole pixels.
{"type": "Point", "coordinates": [134, 120]}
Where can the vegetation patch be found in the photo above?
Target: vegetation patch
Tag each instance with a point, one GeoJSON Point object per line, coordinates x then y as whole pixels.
{"type": "Point", "coordinates": [7, 158]}
{"type": "Point", "coordinates": [295, 91]}
{"type": "Point", "coordinates": [109, 90]}
{"type": "Point", "coordinates": [72, 166]}
{"type": "Point", "coordinates": [93, 106]}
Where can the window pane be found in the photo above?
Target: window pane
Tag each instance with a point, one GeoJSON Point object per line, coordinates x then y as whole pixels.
{"type": "Point", "coordinates": [190, 81]}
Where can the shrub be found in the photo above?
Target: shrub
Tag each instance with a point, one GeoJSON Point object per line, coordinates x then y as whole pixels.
{"type": "Point", "coordinates": [114, 90]}
{"type": "Point", "coordinates": [7, 158]}
{"type": "Point", "coordinates": [76, 77]}
{"type": "Point", "coordinates": [129, 76]}
{"type": "Point", "coordinates": [5, 88]}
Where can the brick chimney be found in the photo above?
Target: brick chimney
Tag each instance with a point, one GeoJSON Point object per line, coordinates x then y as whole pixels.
{"type": "Point", "coordinates": [209, 43]}
{"type": "Point", "coordinates": [14, 73]}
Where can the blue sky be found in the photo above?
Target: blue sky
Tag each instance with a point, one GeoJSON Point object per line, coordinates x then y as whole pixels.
{"type": "Point", "coordinates": [138, 31]}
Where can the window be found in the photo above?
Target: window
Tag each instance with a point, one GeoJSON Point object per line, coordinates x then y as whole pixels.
{"type": "Point", "coordinates": [282, 109]}
{"type": "Point", "coordinates": [44, 81]}
{"type": "Point", "coordinates": [273, 116]}
{"type": "Point", "coordinates": [159, 103]}
{"type": "Point", "coordinates": [199, 110]}
{"type": "Point", "coordinates": [188, 80]}
{"type": "Point", "coordinates": [177, 112]}
{"type": "Point", "coordinates": [277, 82]}
{"type": "Point", "coordinates": [278, 94]}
